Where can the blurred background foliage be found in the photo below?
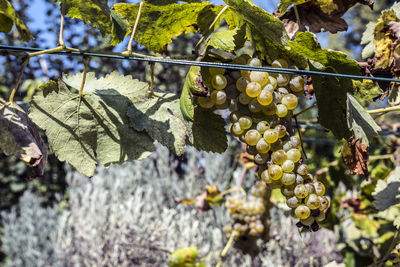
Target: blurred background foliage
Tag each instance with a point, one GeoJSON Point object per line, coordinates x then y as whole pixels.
{"type": "Point", "coordinates": [125, 215]}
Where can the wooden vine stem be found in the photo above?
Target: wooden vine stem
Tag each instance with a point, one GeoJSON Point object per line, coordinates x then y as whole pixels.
{"type": "Point", "coordinates": [134, 28]}
{"type": "Point", "coordinates": [21, 73]}
{"type": "Point", "coordinates": [84, 76]}
{"type": "Point", "coordinates": [61, 36]}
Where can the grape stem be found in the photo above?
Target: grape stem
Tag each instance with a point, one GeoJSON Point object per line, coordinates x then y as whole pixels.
{"type": "Point", "coordinates": [384, 110]}
{"type": "Point", "coordinates": [134, 28]}
{"type": "Point", "coordinates": [305, 110]}
{"type": "Point", "coordinates": [61, 36]}
{"type": "Point", "coordinates": [84, 76]}
{"type": "Point", "coordinates": [226, 248]}
{"type": "Point", "coordinates": [21, 73]}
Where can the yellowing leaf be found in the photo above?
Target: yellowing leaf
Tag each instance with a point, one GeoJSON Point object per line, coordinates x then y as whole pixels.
{"type": "Point", "coordinates": [158, 24]}
{"type": "Point", "coordinates": [92, 129]}
{"type": "Point", "coordinates": [98, 14]}
{"type": "Point", "coordinates": [8, 17]}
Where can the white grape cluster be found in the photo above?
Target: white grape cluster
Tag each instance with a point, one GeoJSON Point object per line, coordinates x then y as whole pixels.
{"type": "Point", "coordinates": [261, 106]}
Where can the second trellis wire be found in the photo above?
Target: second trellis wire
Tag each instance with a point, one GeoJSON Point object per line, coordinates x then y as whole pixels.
{"type": "Point", "coordinates": [200, 63]}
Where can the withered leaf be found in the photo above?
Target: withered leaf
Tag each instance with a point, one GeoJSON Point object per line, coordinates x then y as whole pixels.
{"type": "Point", "coordinates": [19, 137]}
{"type": "Point", "coordinates": [355, 156]}
{"type": "Point", "coordinates": [319, 16]}
{"type": "Point", "coordinates": [203, 202]}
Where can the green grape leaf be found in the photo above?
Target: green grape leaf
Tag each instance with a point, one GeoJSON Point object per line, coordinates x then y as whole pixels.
{"type": "Point", "coordinates": [19, 137]}
{"type": "Point", "coordinates": [366, 90]}
{"type": "Point", "coordinates": [331, 92]}
{"type": "Point", "coordinates": [158, 24]}
{"type": "Point", "coordinates": [99, 15]}
{"type": "Point", "coordinates": [360, 121]}
{"type": "Point", "coordinates": [394, 95]}
{"type": "Point", "coordinates": [207, 131]}
{"type": "Point", "coordinates": [162, 119]}
{"type": "Point", "coordinates": [92, 129]}
{"type": "Point", "coordinates": [284, 4]}
{"type": "Point", "coordinates": [396, 222]}
{"type": "Point", "coordinates": [387, 193]}
{"type": "Point", "coordinates": [168, 2]}
{"type": "Point", "coordinates": [185, 257]}
{"type": "Point", "coordinates": [228, 40]}
{"type": "Point", "coordinates": [9, 17]}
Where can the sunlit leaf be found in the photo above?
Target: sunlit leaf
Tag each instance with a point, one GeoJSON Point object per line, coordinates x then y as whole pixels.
{"type": "Point", "coordinates": [9, 17]}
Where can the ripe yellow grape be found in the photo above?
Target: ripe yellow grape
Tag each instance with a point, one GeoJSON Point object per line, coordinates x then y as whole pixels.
{"type": "Point", "coordinates": [281, 130]}
{"type": "Point", "coordinates": [242, 83]}
{"type": "Point", "coordinates": [252, 137]}
{"type": "Point", "coordinates": [205, 102]}
{"type": "Point", "coordinates": [324, 203]}
{"type": "Point", "coordinates": [297, 84]}
{"type": "Point", "coordinates": [234, 116]}
{"type": "Point", "coordinates": [262, 146]}
{"type": "Point", "coordinates": [255, 62]}
{"type": "Point", "coordinates": [265, 177]}
{"type": "Point", "coordinates": [293, 202]}
{"type": "Point", "coordinates": [294, 154]}
{"type": "Point", "coordinates": [290, 101]}
{"type": "Point", "coordinates": [219, 82]}
{"type": "Point", "coordinates": [319, 188]}
{"type": "Point", "coordinates": [288, 166]}
{"type": "Point", "coordinates": [218, 97]}
{"type": "Point", "coordinates": [275, 172]}
{"type": "Point", "coordinates": [288, 178]}
{"type": "Point", "coordinates": [308, 221]}
{"type": "Point", "coordinates": [302, 212]}
{"type": "Point", "coordinates": [253, 89]}
{"type": "Point", "coordinates": [262, 126]}
{"type": "Point", "coordinates": [301, 191]}
{"type": "Point", "coordinates": [282, 79]}
{"type": "Point", "coordinates": [278, 157]}
{"type": "Point", "coordinates": [245, 122]}
{"type": "Point", "coordinates": [265, 97]}
{"type": "Point", "coordinates": [281, 110]}
{"type": "Point", "coordinates": [236, 129]}
{"type": "Point", "coordinates": [259, 77]}
{"type": "Point", "coordinates": [312, 201]}
{"type": "Point", "coordinates": [271, 136]}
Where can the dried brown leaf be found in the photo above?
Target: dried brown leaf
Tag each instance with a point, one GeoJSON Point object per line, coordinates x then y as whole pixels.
{"type": "Point", "coordinates": [355, 156]}
{"type": "Point", "coordinates": [19, 137]}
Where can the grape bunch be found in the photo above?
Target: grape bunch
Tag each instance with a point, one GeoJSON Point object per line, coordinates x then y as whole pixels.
{"type": "Point", "coordinates": [261, 107]}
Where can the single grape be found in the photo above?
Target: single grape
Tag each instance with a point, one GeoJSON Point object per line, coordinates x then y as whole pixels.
{"type": "Point", "coordinates": [205, 102]}
{"type": "Point", "coordinates": [282, 91]}
{"type": "Point", "coordinates": [302, 212]}
{"type": "Point", "coordinates": [254, 106]}
{"type": "Point", "coordinates": [282, 79]}
{"type": "Point", "coordinates": [324, 203]}
{"type": "Point", "coordinates": [265, 97]}
{"type": "Point", "coordinates": [281, 110]}
{"type": "Point", "coordinates": [299, 179]}
{"type": "Point", "coordinates": [224, 105]}
{"type": "Point", "coordinates": [262, 126]}
{"type": "Point", "coordinates": [287, 190]}
{"type": "Point", "coordinates": [269, 110]}
{"type": "Point", "coordinates": [287, 145]}
{"type": "Point", "coordinates": [302, 169]}
{"type": "Point", "coordinates": [275, 172]}
{"type": "Point", "coordinates": [259, 77]}
{"type": "Point", "coordinates": [219, 82]}
{"type": "Point", "coordinates": [319, 188]}
{"type": "Point", "coordinates": [276, 64]}
{"type": "Point", "coordinates": [290, 101]}
{"type": "Point", "coordinates": [218, 97]}
{"type": "Point", "coordinates": [216, 71]}
{"type": "Point", "coordinates": [278, 157]}
{"type": "Point", "coordinates": [260, 158]}
{"type": "Point", "coordinates": [271, 136]}
{"type": "Point", "coordinates": [245, 122]}
{"type": "Point", "coordinates": [269, 87]}
{"type": "Point", "coordinates": [244, 98]}
{"type": "Point", "coordinates": [253, 89]}
{"type": "Point", "coordinates": [301, 191]}
{"type": "Point", "coordinates": [296, 141]}
{"type": "Point", "coordinates": [297, 84]}
{"type": "Point", "coordinates": [252, 137]}
{"type": "Point", "coordinates": [253, 232]}
{"type": "Point", "coordinates": [281, 130]}
{"type": "Point", "coordinates": [259, 228]}
{"type": "Point", "coordinates": [308, 221]}
{"type": "Point", "coordinates": [265, 177]}
{"type": "Point", "coordinates": [273, 82]}
{"type": "Point", "coordinates": [292, 202]}
{"type": "Point", "coordinates": [234, 116]}
{"type": "Point", "coordinates": [242, 83]}
{"type": "Point", "coordinates": [310, 188]}
{"type": "Point", "coordinates": [288, 178]}
{"type": "Point", "coordinates": [255, 62]}
{"type": "Point", "coordinates": [262, 146]}
{"type": "Point", "coordinates": [236, 129]}
{"type": "Point", "coordinates": [288, 166]}
{"type": "Point", "coordinates": [312, 201]}
{"type": "Point", "coordinates": [293, 154]}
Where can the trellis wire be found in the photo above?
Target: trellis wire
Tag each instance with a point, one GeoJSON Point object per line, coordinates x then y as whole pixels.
{"type": "Point", "coordinates": [200, 63]}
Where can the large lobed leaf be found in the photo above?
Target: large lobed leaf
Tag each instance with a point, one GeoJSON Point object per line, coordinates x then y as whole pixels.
{"type": "Point", "coordinates": [387, 193]}
{"type": "Point", "coordinates": [19, 137]}
{"type": "Point", "coordinates": [331, 92]}
{"type": "Point", "coordinates": [98, 14]}
{"type": "Point", "coordinates": [8, 17]}
{"type": "Point", "coordinates": [92, 129]}
{"type": "Point", "coordinates": [159, 24]}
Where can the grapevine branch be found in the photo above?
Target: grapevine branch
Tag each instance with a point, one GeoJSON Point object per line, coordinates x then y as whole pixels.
{"type": "Point", "coordinates": [61, 37]}
{"type": "Point", "coordinates": [226, 248]}
{"type": "Point", "coordinates": [21, 73]}
{"type": "Point", "coordinates": [84, 76]}
{"type": "Point", "coordinates": [134, 28]}
{"type": "Point", "coordinates": [384, 110]}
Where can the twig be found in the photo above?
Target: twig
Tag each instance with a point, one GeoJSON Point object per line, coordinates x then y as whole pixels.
{"type": "Point", "coordinates": [21, 73]}
{"type": "Point", "coordinates": [212, 25]}
{"type": "Point", "coordinates": [384, 110]}
{"type": "Point", "coordinates": [134, 28]}
{"type": "Point", "coordinates": [47, 51]}
{"type": "Point", "coordinates": [61, 36]}
{"type": "Point", "coordinates": [226, 248]}
{"type": "Point", "coordinates": [84, 76]}
{"type": "Point", "coordinates": [305, 110]}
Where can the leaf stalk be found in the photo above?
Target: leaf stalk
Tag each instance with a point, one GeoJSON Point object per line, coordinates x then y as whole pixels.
{"type": "Point", "coordinates": [21, 73]}
{"type": "Point", "coordinates": [134, 28]}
